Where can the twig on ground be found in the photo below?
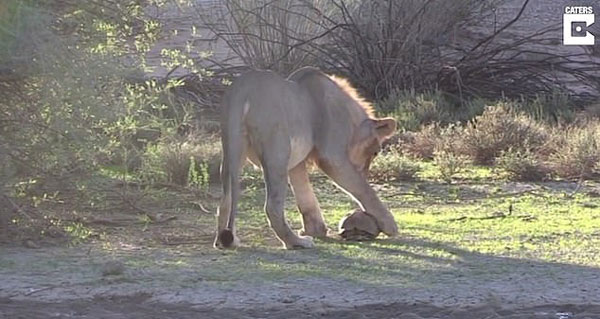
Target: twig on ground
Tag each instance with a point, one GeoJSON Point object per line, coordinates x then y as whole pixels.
{"type": "Point", "coordinates": [16, 207]}
{"type": "Point", "coordinates": [35, 291]}
{"type": "Point", "coordinates": [158, 219]}
{"type": "Point", "coordinates": [154, 218]}
{"type": "Point", "coordinates": [486, 196]}
{"type": "Point", "coordinates": [202, 208]}
{"type": "Point", "coordinates": [495, 216]}
{"type": "Point", "coordinates": [577, 188]}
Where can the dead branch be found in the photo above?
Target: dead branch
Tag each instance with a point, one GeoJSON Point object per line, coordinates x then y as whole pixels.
{"type": "Point", "coordinates": [493, 35]}
{"type": "Point", "coordinates": [498, 215]}
{"type": "Point", "coordinates": [385, 45]}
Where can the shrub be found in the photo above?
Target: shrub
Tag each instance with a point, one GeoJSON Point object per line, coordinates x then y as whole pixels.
{"type": "Point", "coordinates": [422, 143]}
{"type": "Point", "coordinates": [592, 110]}
{"type": "Point", "coordinates": [447, 155]}
{"type": "Point", "coordinates": [387, 44]}
{"type": "Point", "coordinates": [269, 35]}
{"type": "Point", "coordinates": [74, 97]}
{"type": "Point", "coordinates": [392, 165]}
{"type": "Point", "coordinates": [575, 151]}
{"type": "Point", "coordinates": [414, 110]}
{"type": "Point", "coordinates": [521, 165]}
{"type": "Point", "coordinates": [449, 163]}
{"type": "Point", "coordinates": [498, 129]}
{"type": "Point", "coordinates": [192, 162]}
{"type": "Point", "coordinates": [554, 107]}
{"type": "Point", "coordinates": [358, 39]}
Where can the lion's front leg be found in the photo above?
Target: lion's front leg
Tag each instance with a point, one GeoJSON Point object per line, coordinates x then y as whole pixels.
{"type": "Point", "coordinates": [348, 178]}
{"type": "Point", "coordinates": [308, 205]}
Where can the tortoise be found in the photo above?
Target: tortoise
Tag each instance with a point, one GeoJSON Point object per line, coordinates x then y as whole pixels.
{"type": "Point", "coordinates": [358, 226]}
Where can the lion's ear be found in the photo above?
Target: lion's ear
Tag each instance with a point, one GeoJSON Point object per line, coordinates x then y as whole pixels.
{"type": "Point", "coordinates": [385, 128]}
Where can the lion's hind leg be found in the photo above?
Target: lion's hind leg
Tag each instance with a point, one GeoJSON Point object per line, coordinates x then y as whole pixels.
{"type": "Point", "coordinates": [226, 236]}
{"type": "Point", "coordinates": [274, 161]}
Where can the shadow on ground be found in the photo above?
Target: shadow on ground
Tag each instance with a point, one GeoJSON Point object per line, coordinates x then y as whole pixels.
{"type": "Point", "coordinates": [139, 307]}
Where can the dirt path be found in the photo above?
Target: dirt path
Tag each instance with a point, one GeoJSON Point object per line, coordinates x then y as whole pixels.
{"type": "Point", "coordinates": [64, 282]}
{"type": "Point", "coordinates": [140, 307]}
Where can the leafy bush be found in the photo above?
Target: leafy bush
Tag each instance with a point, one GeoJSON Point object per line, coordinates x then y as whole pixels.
{"type": "Point", "coordinates": [74, 97]}
{"type": "Point", "coordinates": [392, 165]}
{"type": "Point", "coordinates": [521, 165]}
{"type": "Point", "coordinates": [498, 129]}
{"type": "Point", "coordinates": [447, 155]}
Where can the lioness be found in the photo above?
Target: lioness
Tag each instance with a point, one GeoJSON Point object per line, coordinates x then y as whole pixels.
{"type": "Point", "coordinates": [281, 124]}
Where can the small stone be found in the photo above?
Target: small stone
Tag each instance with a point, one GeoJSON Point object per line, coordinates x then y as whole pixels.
{"type": "Point", "coordinates": [31, 244]}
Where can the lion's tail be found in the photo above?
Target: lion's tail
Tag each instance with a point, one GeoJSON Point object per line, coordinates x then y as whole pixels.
{"type": "Point", "coordinates": [233, 110]}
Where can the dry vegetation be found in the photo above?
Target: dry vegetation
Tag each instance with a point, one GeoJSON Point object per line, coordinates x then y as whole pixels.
{"type": "Point", "coordinates": [383, 46]}
{"type": "Point", "coordinates": [76, 106]}
{"type": "Point", "coordinates": [392, 165]}
{"type": "Point", "coordinates": [514, 142]}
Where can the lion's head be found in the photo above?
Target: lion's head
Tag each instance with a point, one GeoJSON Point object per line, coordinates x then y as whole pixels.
{"type": "Point", "coordinates": [370, 132]}
{"type": "Point", "coordinates": [367, 140]}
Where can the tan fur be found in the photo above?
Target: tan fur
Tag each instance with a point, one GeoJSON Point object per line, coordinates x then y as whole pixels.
{"type": "Point", "coordinates": [353, 93]}
{"type": "Point", "coordinates": [281, 125]}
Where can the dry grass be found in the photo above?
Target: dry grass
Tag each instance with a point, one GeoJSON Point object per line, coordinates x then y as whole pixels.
{"type": "Point", "coordinates": [522, 165]}
{"type": "Point", "coordinates": [575, 151]}
{"type": "Point", "coordinates": [498, 129]}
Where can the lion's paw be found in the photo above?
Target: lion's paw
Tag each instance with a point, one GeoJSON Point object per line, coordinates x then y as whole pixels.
{"type": "Point", "coordinates": [300, 242]}
{"type": "Point", "coordinates": [318, 232]}
{"type": "Point", "coordinates": [389, 228]}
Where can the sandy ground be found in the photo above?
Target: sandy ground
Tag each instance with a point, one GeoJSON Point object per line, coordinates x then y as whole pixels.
{"type": "Point", "coordinates": [139, 307]}
{"type": "Point", "coordinates": [64, 282]}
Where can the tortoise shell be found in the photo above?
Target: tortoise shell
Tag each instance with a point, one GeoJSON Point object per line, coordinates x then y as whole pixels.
{"type": "Point", "coordinates": [358, 226]}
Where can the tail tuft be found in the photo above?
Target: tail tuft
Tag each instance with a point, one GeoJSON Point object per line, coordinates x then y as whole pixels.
{"type": "Point", "coordinates": [226, 237]}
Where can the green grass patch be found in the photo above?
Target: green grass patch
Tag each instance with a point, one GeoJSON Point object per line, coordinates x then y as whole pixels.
{"type": "Point", "coordinates": [476, 229]}
{"type": "Point", "coordinates": [468, 229]}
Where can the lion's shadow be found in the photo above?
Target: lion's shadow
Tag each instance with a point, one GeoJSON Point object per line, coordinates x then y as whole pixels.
{"type": "Point", "coordinates": [419, 263]}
